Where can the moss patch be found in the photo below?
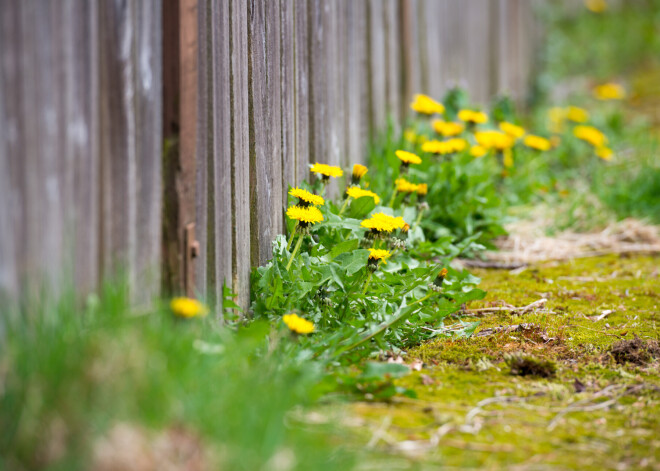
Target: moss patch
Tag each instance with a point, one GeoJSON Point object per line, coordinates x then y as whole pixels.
{"type": "Point", "coordinates": [594, 413]}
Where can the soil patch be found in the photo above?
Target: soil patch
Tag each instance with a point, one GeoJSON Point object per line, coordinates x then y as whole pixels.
{"type": "Point", "coordinates": [636, 351]}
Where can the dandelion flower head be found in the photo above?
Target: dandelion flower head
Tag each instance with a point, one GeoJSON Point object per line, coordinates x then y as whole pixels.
{"type": "Point", "coordinates": [478, 151]}
{"type": "Point", "coordinates": [357, 192]}
{"type": "Point", "coordinates": [306, 198]}
{"type": "Point", "coordinates": [494, 140]}
{"type": "Point", "coordinates": [512, 130]}
{"type": "Point", "coordinates": [448, 128]}
{"type": "Point", "coordinates": [537, 142]}
{"type": "Point", "coordinates": [305, 215]}
{"type": "Point", "coordinates": [591, 135]}
{"type": "Point", "coordinates": [610, 91]}
{"type": "Point", "coordinates": [359, 171]}
{"type": "Point", "coordinates": [379, 254]}
{"type": "Point", "coordinates": [382, 222]}
{"type": "Point", "coordinates": [422, 189]}
{"type": "Point", "coordinates": [404, 186]}
{"type": "Point", "coordinates": [298, 324]}
{"type": "Point", "coordinates": [577, 115]}
{"type": "Point", "coordinates": [408, 157]}
{"type": "Point", "coordinates": [426, 105]}
{"type": "Point", "coordinates": [471, 116]}
{"type": "Point", "coordinates": [327, 171]}
{"type": "Point", "coordinates": [188, 307]}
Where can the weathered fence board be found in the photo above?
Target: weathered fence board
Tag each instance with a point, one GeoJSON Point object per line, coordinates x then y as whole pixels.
{"type": "Point", "coordinates": [81, 107]}
{"type": "Point", "coordinates": [245, 95]}
{"type": "Point", "coordinates": [240, 154]}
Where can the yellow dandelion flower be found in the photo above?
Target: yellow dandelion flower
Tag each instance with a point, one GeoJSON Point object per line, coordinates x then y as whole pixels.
{"type": "Point", "coordinates": [426, 105]}
{"type": "Point", "coordinates": [556, 116]}
{"type": "Point", "coordinates": [591, 135]}
{"type": "Point", "coordinates": [327, 171]}
{"type": "Point", "coordinates": [494, 140]}
{"type": "Point", "coordinates": [379, 254]}
{"type": "Point", "coordinates": [408, 157]}
{"type": "Point", "coordinates": [357, 192]}
{"type": "Point", "coordinates": [359, 171]}
{"type": "Point", "coordinates": [298, 324]}
{"type": "Point", "coordinates": [610, 91]}
{"type": "Point", "coordinates": [596, 6]}
{"type": "Point", "coordinates": [604, 153]}
{"type": "Point", "coordinates": [440, 147]}
{"type": "Point", "coordinates": [382, 222]}
{"type": "Point", "coordinates": [448, 129]}
{"type": "Point", "coordinates": [577, 115]}
{"type": "Point", "coordinates": [188, 307]}
{"type": "Point", "coordinates": [537, 142]}
{"type": "Point", "coordinates": [457, 144]}
{"type": "Point", "coordinates": [306, 198]}
{"type": "Point", "coordinates": [512, 130]}
{"type": "Point", "coordinates": [305, 215]}
{"type": "Point", "coordinates": [422, 189]}
{"type": "Point", "coordinates": [473, 117]}
{"type": "Point", "coordinates": [478, 151]}
{"type": "Point", "coordinates": [404, 186]}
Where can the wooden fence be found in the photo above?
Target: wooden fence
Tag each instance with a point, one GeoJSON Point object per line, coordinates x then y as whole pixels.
{"type": "Point", "coordinates": [158, 137]}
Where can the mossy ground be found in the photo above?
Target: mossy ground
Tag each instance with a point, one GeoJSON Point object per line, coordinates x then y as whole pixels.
{"type": "Point", "coordinates": [593, 414]}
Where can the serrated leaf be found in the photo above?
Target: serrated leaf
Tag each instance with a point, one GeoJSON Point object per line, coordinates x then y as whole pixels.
{"type": "Point", "coordinates": [360, 207]}
{"type": "Point", "coordinates": [345, 246]}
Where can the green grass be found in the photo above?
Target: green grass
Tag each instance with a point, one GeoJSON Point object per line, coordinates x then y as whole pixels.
{"type": "Point", "coordinates": [71, 374]}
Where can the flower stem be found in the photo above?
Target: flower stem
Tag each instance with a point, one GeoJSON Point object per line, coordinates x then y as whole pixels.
{"type": "Point", "coordinates": [391, 203]}
{"type": "Point", "coordinates": [366, 283]}
{"type": "Point", "coordinates": [295, 251]}
{"type": "Point", "coordinates": [341, 211]}
{"type": "Point", "coordinates": [293, 234]}
{"type": "Point", "coordinates": [418, 220]}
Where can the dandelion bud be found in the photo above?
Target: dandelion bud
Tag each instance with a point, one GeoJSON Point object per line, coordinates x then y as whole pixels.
{"type": "Point", "coordinates": [440, 278]}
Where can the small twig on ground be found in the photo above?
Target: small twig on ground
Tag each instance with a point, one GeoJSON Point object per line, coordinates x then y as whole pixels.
{"type": "Point", "coordinates": [523, 309]}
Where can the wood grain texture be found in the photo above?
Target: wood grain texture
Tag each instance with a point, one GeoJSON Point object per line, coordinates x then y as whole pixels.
{"type": "Point", "coordinates": [393, 60]}
{"type": "Point", "coordinates": [265, 127]}
{"type": "Point", "coordinates": [376, 54]}
{"type": "Point", "coordinates": [301, 91]}
{"type": "Point", "coordinates": [204, 201]}
{"type": "Point", "coordinates": [220, 91]}
{"type": "Point", "coordinates": [288, 97]}
{"type": "Point", "coordinates": [148, 141]}
{"type": "Point", "coordinates": [240, 152]}
{"type": "Point", "coordinates": [354, 67]}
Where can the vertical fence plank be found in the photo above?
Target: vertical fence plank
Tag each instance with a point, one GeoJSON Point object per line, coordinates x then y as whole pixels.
{"type": "Point", "coordinates": [204, 204]}
{"type": "Point", "coordinates": [220, 91]}
{"type": "Point", "coordinates": [411, 52]}
{"type": "Point", "coordinates": [265, 127]}
{"type": "Point", "coordinates": [148, 109]}
{"type": "Point", "coordinates": [354, 67]}
{"type": "Point", "coordinates": [12, 167]}
{"type": "Point", "coordinates": [377, 67]}
{"type": "Point", "coordinates": [302, 115]}
{"type": "Point", "coordinates": [240, 152]}
{"type": "Point", "coordinates": [117, 138]}
{"type": "Point", "coordinates": [322, 92]}
{"type": "Point", "coordinates": [393, 65]}
{"type": "Point", "coordinates": [287, 91]}
{"type": "Point", "coordinates": [82, 140]}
